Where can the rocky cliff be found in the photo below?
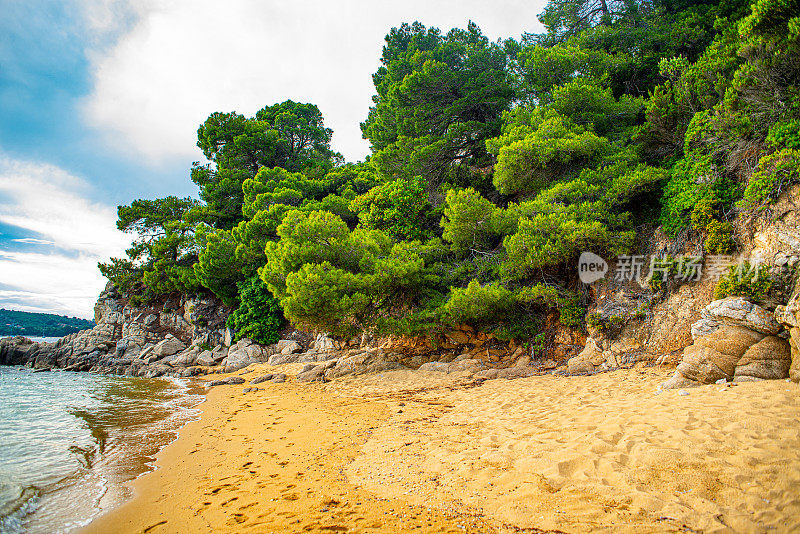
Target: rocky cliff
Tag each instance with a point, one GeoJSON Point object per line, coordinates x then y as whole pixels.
{"type": "Point", "coordinates": [630, 321]}
{"type": "Point", "coordinates": [681, 324]}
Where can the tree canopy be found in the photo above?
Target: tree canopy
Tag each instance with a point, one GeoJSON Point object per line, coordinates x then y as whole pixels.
{"type": "Point", "coordinates": [493, 165]}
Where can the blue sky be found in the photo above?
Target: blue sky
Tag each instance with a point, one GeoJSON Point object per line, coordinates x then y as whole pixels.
{"type": "Point", "coordinates": [100, 102]}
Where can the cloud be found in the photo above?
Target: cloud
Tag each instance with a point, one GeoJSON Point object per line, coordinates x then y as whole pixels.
{"type": "Point", "coordinates": [51, 203]}
{"type": "Point", "coordinates": [33, 241]}
{"type": "Point", "coordinates": [183, 59]}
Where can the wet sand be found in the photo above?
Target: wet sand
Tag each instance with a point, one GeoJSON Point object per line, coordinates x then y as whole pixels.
{"type": "Point", "coordinates": [407, 451]}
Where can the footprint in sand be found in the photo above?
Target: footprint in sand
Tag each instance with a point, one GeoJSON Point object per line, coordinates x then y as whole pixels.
{"type": "Point", "coordinates": [226, 503]}
{"type": "Point", "coordinates": [238, 518]}
{"type": "Point", "coordinates": [151, 527]}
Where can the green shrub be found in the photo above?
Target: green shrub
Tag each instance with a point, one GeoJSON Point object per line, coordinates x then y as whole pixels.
{"type": "Point", "coordinates": [259, 315]}
{"type": "Point", "coordinates": [720, 238]}
{"type": "Point", "coordinates": [680, 269]}
{"type": "Point", "coordinates": [745, 280]}
{"type": "Point", "coordinates": [469, 220]}
{"type": "Point", "coordinates": [703, 213]}
{"type": "Point", "coordinates": [571, 314]}
{"type": "Point", "coordinates": [784, 135]}
{"type": "Point", "coordinates": [477, 304]}
{"type": "Point", "coordinates": [400, 208]}
{"type": "Point", "coordinates": [773, 174]}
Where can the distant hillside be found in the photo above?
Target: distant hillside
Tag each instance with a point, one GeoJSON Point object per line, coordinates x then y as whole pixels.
{"type": "Point", "coordinates": [17, 323]}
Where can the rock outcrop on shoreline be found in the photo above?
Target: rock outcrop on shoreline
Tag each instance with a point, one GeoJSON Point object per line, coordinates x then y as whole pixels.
{"type": "Point", "coordinates": [735, 340]}
{"type": "Point", "coordinates": [186, 336]}
{"type": "Point", "coordinates": [629, 322]}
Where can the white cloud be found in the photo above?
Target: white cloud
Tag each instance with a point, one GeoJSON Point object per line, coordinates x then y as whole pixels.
{"type": "Point", "coordinates": [33, 241]}
{"type": "Point", "coordinates": [51, 203]}
{"type": "Point", "coordinates": [183, 59]}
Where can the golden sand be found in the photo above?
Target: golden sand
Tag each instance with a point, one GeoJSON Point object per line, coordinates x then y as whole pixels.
{"type": "Point", "coordinates": [407, 451]}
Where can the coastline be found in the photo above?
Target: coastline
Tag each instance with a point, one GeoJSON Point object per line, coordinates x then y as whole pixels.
{"type": "Point", "coordinates": [271, 461]}
{"type": "Point", "coordinates": [407, 451]}
{"type": "Point", "coordinates": [71, 442]}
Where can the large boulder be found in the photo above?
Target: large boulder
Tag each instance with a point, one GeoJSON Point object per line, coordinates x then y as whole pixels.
{"type": "Point", "coordinates": [187, 358]}
{"type": "Point", "coordinates": [715, 356]}
{"type": "Point", "coordinates": [288, 346]}
{"type": "Point", "coordinates": [168, 346]}
{"type": "Point", "coordinates": [437, 367]}
{"type": "Point", "coordinates": [588, 360]}
{"type": "Point", "coordinates": [735, 311]}
{"type": "Point", "coordinates": [280, 359]}
{"type": "Point", "coordinates": [362, 362]}
{"type": "Point", "coordinates": [769, 359]}
{"type": "Point", "coordinates": [735, 339]}
{"type": "Point", "coordinates": [468, 365]}
{"type": "Point", "coordinates": [323, 343]}
{"type": "Point", "coordinates": [247, 352]}
{"type": "Point", "coordinates": [315, 374]}
{"type": "Point", "coordinates": [211, 357]}
{"type": "Point", "coordinates": [13, 350]}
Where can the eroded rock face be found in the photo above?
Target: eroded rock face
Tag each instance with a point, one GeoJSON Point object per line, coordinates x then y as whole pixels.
{"type": "Point", "coordinates": [769, 359]}
{"type": "Point", "coordinates": [168, 346]}
{"type": "Point", "coordinates": [789, 317]}
{"type": "Point", "coordinates": [633, 327]}
{"type": "Point", "coordinates": [734, 340]}
{"type": "Point", "coordinates": [161, 338]}
{"type": "Point", "coordinates": [735, 311]}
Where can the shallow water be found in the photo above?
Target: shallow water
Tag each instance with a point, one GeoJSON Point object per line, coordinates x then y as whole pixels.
{"type": "Point", "coordinates": [69, 440]}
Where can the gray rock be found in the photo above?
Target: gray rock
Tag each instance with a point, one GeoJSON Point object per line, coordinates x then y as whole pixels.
{"type": "Point", "coordinates": [245, 352]}
{"type": "Point", "coordinates": [471, 366]}
{"type": "Point", "coordinates": [231, 380]}
{"type": "Point", "coordinates": [248, 390]}
{"type": "Point", "coordinates": [186, 358]}
{"type": "Point", "coordinates": [323, 343]}
{"type": "Point", "coordinates": [441, 367]}
{"type": "Point", "coordinates": [288, 346]}
{"type": "Point", "coordinates": [238, 360]}
{"type": "Point", "coordinates": [145, 352]}
{"type": "Point", "coordinates": [168, 346]}
{"type": "Point", "coordinates": [151, 358]}
{"type": "Point", "coordinates": [205, 358]}
{"type": "Point", "coordinates": [153, 371]}
{"type": "Point", "coordinates": [362, 362]}
{"type": "Point", "coordinates": [280, 359]}
{"type": "Point", "coordinates": [736, 311]}
{"type": "Point", "coordinates": [310, 356]}
{"type": "Point", "coordinates": [279, 378]}
{"type": "Point", "coordinates": [262, 378]}
{"type": "Point", "coordinates": [315, 374]}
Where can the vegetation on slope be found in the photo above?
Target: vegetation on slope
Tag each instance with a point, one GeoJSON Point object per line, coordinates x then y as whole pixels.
{"type": "Point", "coordinates": [493, 166]}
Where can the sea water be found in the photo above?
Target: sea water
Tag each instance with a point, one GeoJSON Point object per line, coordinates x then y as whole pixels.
{"type": "Point", "coordinates": [68, 442]}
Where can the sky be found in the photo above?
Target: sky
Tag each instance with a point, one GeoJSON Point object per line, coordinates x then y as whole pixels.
{"type": "Point", "coordinates": [100, 101]}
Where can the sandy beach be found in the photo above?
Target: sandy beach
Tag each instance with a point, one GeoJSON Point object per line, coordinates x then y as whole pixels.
{"type": "Point", "coordinates": [409, 451]}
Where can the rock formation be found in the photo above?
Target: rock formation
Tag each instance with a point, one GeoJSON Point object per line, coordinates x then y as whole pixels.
{"type": "Point", "coordinates": [734, 340]}
{"type": "Point", "coordinates": [789, 317]}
